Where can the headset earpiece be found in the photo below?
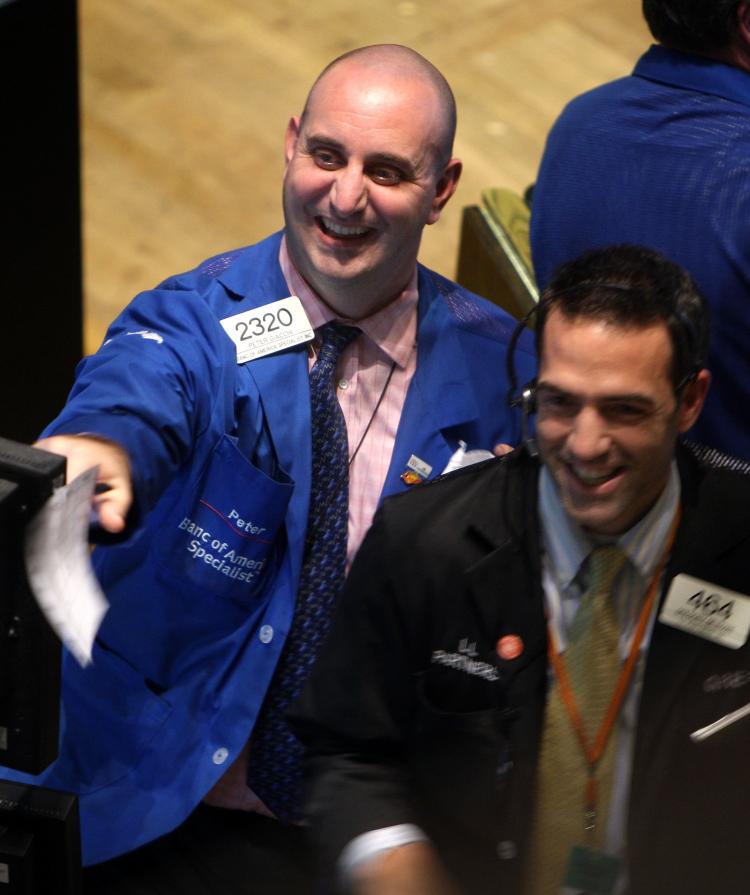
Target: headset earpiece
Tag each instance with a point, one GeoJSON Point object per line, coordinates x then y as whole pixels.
{"type": "Point", "coordinates": [527, 398]}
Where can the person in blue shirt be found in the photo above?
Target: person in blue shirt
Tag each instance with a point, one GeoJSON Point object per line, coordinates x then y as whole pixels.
{"type": "Point", "coordinates": [205, 466]}
{"type": "Point", "coordinates": [662, 158]}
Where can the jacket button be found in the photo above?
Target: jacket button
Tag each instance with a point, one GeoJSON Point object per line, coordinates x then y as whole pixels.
{"type": "Point", "coordinates": [506, 850]}
{"type": "Point", "coordinates": [220, 756]}
{"type": "Point", "coordinates": [266, 634]}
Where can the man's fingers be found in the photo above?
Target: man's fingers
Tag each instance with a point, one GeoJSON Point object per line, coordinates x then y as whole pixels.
{"type": "Point", "coordinates": [111, 512]}
{"type": "Point", "coordinates": [114, 493]}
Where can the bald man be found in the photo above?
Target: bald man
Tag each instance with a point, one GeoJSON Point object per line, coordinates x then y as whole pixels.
{"type": "Point", "coordinates": [211, 412]}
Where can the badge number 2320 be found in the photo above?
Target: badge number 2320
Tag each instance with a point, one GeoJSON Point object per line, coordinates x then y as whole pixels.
{"type": "Point", "coordinates": [259, 326]}
{"type": "Point", "coordinates": [268, 329]}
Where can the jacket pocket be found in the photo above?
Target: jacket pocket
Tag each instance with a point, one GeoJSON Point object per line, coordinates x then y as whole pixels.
{"type": "Point", "coordinates": [460, 751]}
{"type": "Point", "coordinates": [114, 718]}
{"type": "Point", "coordinates": [222, 535]}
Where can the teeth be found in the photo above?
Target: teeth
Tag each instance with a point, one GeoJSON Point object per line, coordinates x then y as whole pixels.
{"type": "Point", "coordinates": [589, 478]}
{"type": "Point", "coordinates": [341, 230]}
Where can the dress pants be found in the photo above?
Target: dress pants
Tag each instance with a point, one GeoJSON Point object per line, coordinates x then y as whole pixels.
{"type": "Point", "coordinates": [215, 852]}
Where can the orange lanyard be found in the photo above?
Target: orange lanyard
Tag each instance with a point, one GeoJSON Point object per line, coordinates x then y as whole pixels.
{"type": "Point", "coordinates": [593, 754]}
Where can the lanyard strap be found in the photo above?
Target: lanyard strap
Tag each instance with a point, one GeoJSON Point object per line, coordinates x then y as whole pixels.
{"type": "Point", "coordinates": [593, 753]}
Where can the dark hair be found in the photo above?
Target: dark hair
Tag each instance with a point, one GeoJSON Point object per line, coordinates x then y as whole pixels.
{"type": "Point", "coordinates": [632, 286]}
{"type": "Point", "coordinates": [695, 26]}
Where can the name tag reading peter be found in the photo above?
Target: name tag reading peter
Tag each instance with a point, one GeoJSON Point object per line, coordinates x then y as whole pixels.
{"type": "Point", "coordinates": [708, 611]}
{"type": "Point", "coordinates": [268, 329]}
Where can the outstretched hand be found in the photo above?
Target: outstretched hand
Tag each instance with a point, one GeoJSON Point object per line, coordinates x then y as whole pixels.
{"type": "Point", "coordinates": [114, 493]}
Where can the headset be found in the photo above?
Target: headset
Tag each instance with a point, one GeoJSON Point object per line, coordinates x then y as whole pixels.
{"type": "Point", "coordinates": [525, 396]}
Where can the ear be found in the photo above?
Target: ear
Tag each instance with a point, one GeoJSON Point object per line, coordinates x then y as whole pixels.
{"type": "Point", "coordinates": [743, 24]}
{"type": "Point", "coordinates": [291, 137]}
{"type": "Point", "coordinates": [692, 401]}
{"type": "Point", "coordinates": [445, 188]}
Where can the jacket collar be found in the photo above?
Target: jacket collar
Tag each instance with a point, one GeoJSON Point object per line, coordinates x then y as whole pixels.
{"type": "Point", "coordinates": [440, 395]}
{"type": "Point", "coordinates": [713, 520]}
{"type": "Point", "coordinates": [515, 481]}
{"type": "Point", "coordinates": [706, 496]}
{"type": "Point", "coordinates": [442, 376]}
{"type": "Point", "coordinates": [713, 523]}
{"type": "Point", "coordinates": [254, 279]}
{"type": "Point", "coordinates": [255, 275]}
{"type": "Point", "coordinates": [505, 584]}
{"type": "Point", "coordinates": [440, 355]}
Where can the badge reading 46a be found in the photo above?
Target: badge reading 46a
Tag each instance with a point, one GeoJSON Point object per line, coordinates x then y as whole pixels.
{"type": "Point", "coordinates": [712, 603]}
{"type": "Point", "coordinates": [707, 610]}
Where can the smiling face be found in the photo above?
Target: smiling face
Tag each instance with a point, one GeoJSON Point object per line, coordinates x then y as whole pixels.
{"type": "Point", "coordinates": [608, 417]}
{"type": "Point", "coordinates": [362, 181]}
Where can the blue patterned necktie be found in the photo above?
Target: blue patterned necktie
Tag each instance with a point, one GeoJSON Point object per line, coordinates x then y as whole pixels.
{"type": "Point", "coordinates": [275, 771]}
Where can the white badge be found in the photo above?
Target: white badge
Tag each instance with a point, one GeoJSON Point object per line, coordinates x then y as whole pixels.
{"type": "Point", "coordinates": [707, 610]}
{"type": "Point", "coordinates": [269, 328]}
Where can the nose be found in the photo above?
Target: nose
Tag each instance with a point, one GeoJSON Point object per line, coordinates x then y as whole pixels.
{"type": "Point", "coordinates": [588, 438]}
{"type": "Point", "coordinates": [348, 192]}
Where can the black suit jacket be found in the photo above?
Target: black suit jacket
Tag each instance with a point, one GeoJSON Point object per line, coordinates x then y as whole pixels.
{"type": "Point", "coordinates": [411, 716]}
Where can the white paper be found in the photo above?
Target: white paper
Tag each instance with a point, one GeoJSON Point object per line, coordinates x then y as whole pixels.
{"type": "Point", "coordinates": [58, 566]}
{"type": "Point", "coordinates": [462, 457]}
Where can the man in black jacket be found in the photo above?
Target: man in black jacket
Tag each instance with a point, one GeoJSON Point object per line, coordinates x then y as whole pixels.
{"type": "Point", "coordinates": [456, 746]}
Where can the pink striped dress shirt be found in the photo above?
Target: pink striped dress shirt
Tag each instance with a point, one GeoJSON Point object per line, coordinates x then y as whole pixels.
{"type": "Point", "coordinates": [388, 341]}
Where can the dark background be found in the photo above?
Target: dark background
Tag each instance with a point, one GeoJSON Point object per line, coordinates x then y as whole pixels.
{"type": "Point", "coordinates": [40, 255]}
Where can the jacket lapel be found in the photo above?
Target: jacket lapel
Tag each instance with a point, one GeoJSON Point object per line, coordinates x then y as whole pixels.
{"type": "Point", "coordinates": [505, 584]}
{"type": "Point", "coordinates": [281, 380]}
{"type": "Point", "coordinates": [711, 528]}
{"type": "Point", "coordinates": [440, 395]}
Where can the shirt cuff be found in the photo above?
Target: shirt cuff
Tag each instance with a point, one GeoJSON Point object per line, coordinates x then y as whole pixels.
{"type": "Point", "coordinates": [368, 845]}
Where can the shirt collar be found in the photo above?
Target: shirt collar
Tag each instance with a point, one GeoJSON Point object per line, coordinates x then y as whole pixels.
{"type": "Point", "coordinates": [392, 329]}
{"type": "Point", "coordinates": [698, 73]}
{"type": "Point", "coordinates": [568, 546]}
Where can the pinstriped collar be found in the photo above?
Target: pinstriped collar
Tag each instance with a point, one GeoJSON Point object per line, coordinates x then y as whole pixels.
{"type": "Point", "coordinates": [697, 73]}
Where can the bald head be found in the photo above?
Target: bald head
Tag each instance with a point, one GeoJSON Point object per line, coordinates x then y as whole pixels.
{"type": "Point", "coordinates": [393, 62]}
{"type": "Point", "coordinates": [368, 167]}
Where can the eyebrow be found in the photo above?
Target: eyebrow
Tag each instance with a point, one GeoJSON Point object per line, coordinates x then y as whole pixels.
{"type": "Point", "coordinates": [625, 397]}
{"type": "Point", "coordinates": [388, 158]}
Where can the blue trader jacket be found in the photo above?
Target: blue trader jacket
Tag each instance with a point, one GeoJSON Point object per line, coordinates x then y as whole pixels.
{"type": "Point", "coordinates": [202, 592]}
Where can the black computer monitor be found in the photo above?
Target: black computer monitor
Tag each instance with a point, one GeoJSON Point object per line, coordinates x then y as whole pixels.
{"type": "Point", "coordinates": [30, 654]}
{"type": "Point", "coordinates": [40, 851]}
